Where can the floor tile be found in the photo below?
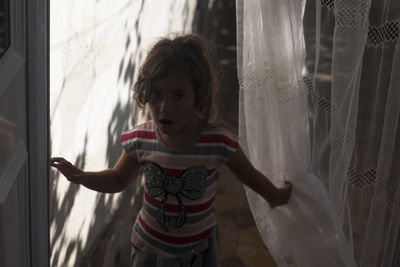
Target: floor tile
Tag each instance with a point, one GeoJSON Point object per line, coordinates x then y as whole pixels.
{"type": "Point", "coordinates": [255, 256]}
{"type": "Point", "coordinates": [228, 229]}
{"type": "Point", "coordinates": [242, 217]}
{"type": "Point", "coordinates": [224, 203]}
{"type": "Point", "coordinates": [228, 249]}
{"type": "Point", "coordinates": [250, 236]}
{"type": "Point", "coordinates": [233, 262]}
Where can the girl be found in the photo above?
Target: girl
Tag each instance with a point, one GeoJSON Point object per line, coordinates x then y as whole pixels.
{"type": "Point", "coordinates": [180, 151]}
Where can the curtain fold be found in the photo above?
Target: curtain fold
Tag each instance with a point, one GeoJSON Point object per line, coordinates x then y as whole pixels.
{"type": "Point", "coordinates": [319, 105]}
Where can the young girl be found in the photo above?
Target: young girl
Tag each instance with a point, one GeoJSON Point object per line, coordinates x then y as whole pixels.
{"type": "Point", "coordinates": [180, 151]}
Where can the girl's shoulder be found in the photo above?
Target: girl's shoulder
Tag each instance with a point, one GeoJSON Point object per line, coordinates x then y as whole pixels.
{"type": "Point", "coordinates": [142, 130]}
{"type": "Point", "coordinates": [221, 128]}
{"type": "Point", "coordinates": [223, 136]}
{"type": "Point", "coordinates": [144, 126]}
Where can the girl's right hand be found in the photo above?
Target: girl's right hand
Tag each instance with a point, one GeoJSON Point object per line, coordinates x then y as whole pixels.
{"type": "Point", "coordinates": [72, 173]}
{"type": "Point", "coordinates": [283, 195]}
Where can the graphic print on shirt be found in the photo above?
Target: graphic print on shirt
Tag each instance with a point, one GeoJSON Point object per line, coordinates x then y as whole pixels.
{"type": "Point", "coordinates": [191, 184]}
{"type": "Point", "coordinates": [183, 228]}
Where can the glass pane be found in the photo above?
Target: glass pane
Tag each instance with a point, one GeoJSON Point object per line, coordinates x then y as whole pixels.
{"type": "Point", "coordinates": [4, 26]}
{"type": "Point", "coordinates": [12, 120]}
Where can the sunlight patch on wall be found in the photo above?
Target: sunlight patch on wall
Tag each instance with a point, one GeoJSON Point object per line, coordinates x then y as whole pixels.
{"type": "Point", "coordinates": [96, 49]}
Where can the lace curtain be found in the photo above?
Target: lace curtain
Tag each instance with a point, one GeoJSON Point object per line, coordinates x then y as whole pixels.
{"type": "Point", "coordinates": [319, 105]}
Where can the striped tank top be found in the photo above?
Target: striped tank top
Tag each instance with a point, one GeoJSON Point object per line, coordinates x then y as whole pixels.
{"type": "Point", "coordinates": [180, 187]}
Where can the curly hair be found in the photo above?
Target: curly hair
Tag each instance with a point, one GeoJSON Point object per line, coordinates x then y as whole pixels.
{"type": "Point", "coordinates": [189, 54]}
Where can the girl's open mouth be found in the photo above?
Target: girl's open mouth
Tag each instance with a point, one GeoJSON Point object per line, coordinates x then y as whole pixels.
{"type": "Point", "coordinates": [166, 122]}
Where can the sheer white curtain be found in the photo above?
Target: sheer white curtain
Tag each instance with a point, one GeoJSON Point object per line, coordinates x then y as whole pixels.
{"type": "Point", "coordinates": [319, 105]}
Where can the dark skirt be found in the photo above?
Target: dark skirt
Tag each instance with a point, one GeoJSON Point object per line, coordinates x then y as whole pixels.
{"type": "Point", "coordinates": [205, 254]}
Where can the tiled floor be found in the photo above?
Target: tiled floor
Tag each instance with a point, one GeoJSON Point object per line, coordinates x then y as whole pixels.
{"type": "Point", "coordinates": [241, 245]}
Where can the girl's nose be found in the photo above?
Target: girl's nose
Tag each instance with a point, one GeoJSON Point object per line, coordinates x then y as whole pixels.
{"type": "Point", "coordinates": [165, 105]}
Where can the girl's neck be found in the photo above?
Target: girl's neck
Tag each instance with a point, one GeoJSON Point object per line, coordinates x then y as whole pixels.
{"type": "Point", "coordinates": [184, 139]}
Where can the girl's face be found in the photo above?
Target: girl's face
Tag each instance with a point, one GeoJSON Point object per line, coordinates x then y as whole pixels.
{"type": "Point", "coordinates": [173, 106]}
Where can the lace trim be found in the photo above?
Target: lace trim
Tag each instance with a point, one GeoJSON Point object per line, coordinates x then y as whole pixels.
{"type": "Point", "coordinates": [284, 90]}
{"type": "Point", "coordinates": [328, 3]}
{"type": "Point", "coordinates": [248, 82]}
{"type": "Point", "coordinates": [317, 100]}
{"type": "Point", "coordinates": [360, 179]}
{"type": "Point", "coordinates": [391, 194]}
{"type": "Point", "coordinates": [352, 13]}
{"type": "Point", "coordinates": [346, 16]}
{"type": "Point", "coordinates": [388, 32]}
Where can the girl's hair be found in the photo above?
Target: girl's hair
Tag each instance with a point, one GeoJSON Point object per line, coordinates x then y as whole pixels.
{"type": "Point", "coordinates": [189, 54]}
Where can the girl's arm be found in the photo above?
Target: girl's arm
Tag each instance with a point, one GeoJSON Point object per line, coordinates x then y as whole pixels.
{"type": "Point", "coordinates": [108, 181]}
{"type": "Point", "coordinates": [254, 179]}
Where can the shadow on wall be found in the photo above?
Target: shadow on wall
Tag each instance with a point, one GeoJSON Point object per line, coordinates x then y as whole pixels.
{"type": "Point", "coordinates": [114, 236]}
{"type": "Point", "coordinates": [61, 209]}
{"type": "Point", "coordinates": [104, 203]}
{"type": "Point", "coordinates": [113, 249]}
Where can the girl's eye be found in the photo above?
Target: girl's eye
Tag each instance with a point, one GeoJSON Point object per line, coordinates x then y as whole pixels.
{"type": "Point", "coordinates": [179, 96]}
{"type": "Point", "coordinates": [156, 93]}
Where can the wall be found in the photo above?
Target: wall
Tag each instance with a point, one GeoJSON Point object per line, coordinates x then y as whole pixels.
{"type": "Point", "coordinates": [96, 47]}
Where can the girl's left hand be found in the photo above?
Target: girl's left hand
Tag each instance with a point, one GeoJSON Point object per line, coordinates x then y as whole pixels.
{"type": "Point", "coordinates": [283, 195]}
{"type": "Point", "coordinates": [72, 173]}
